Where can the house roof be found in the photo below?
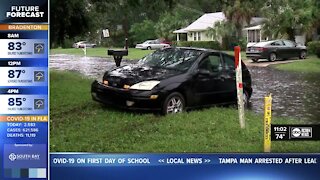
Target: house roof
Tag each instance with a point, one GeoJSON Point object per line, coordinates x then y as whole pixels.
{"type": "Point", "coordinates": [203, 23]}
{"type": "Point", "coordinates": [253, 27]}
{"type": "Point", "coordinates": [180, 31]}
{"type": "Point", "coordinates": [257, 20]}
{"type": "Point", "coordinates": [208, 20]}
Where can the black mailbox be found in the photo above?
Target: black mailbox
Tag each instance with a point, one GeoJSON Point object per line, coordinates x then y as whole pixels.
{"type": "Point", "coordinates": [117, 55]}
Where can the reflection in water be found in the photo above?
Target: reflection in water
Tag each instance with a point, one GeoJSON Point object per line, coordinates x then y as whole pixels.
{"type": "Point", "coordinates": [294, 94]}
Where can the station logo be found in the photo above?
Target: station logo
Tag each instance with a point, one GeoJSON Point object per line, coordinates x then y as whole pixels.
{"type": "Point", "coordinates": [301, 132]}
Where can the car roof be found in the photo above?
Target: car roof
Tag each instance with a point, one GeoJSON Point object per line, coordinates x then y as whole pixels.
{"type": "Point", "coordinates": [263, 43]}
{"type": "Point", "coordinates": [195, 48]}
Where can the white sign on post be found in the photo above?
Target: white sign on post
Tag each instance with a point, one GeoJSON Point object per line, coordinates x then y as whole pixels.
{"type": "Point", "coordinates": [239, 86]}
{"type": "Point", "coordinates": [105, 33]}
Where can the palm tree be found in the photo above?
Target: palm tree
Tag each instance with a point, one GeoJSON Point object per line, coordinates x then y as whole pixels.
{"type": "Point", "coordinates": [239, 12]}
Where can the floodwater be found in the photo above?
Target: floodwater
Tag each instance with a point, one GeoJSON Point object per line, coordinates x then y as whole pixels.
{"type": "Point", "coordinates": [294, 95]}
{"type": "Point", "coordinates": [89, 66]}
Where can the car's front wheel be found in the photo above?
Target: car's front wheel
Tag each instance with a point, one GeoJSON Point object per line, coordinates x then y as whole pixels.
{"type": "Point", "coordinates": [148, 48]}
{"type": "Point", "coordinates": [174, 103]}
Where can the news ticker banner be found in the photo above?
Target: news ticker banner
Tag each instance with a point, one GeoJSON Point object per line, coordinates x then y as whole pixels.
{"type": "Point", "coordinates": [24, 89]}
{"type": "Point", "coordinates": [184, 166]}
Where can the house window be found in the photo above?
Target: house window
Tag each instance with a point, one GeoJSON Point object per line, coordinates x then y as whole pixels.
{"type": "Point", "coordinates": [257, 36]}
{"type": "Point", "coordinates": [199, 36]}
{"type": "Point", "coordinates": [254, 35]}
{"type": "Point", "coordinates": [194, 36]}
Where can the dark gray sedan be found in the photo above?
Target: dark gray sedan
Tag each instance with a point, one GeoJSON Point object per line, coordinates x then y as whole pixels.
{"type": "Point", "coordinates": [276, 49]}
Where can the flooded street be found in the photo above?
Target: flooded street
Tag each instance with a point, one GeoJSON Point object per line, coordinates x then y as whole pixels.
{"type": "Point", "coordinates": [294, 95]}
{"type": "Point", "coordinates": [89, 66]}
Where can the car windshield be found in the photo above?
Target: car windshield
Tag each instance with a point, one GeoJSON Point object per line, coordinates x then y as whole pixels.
{"type": "Point", "coordinates": [178, 59]}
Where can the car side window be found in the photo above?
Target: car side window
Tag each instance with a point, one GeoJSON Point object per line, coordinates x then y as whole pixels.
{"type": "Point", "coordinates": [229, 62]}
{"type": "Point", "coordinates": [212, 63]}
{"type": "Point", "coordinates": [289, 43]}
{"type": "Point", "coordinates": [277, 43]}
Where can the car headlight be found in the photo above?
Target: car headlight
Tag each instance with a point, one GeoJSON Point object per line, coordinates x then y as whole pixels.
{"type": "Point", "coordinates": [145, 85]}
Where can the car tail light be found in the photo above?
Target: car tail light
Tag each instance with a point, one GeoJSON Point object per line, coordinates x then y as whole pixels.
{"type": "Point", "coordinates": [260, 49]}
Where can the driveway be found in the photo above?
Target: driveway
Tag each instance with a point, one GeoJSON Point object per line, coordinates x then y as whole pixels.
{"type": "Point", "coordinates": [265, 62]}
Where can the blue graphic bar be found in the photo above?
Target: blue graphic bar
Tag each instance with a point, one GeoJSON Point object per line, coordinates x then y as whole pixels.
{"type": "Point", "coordinates": [24, 101]}
{"type": "Point", "coordinates": [184, 166]}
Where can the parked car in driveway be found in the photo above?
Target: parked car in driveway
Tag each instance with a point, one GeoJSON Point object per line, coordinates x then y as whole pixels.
{"type": "Point", "coordinates": [276, 49]}
{"type": "Point", "coordinates": [171, 80]}
{"type": "Point", "coordinates": [82, 44]}
{"type": "Point", "coordinates": [152, 44]}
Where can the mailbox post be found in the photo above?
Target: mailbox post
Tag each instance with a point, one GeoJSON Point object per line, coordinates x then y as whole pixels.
{"type": "Point", "coordinates": [118, 55]}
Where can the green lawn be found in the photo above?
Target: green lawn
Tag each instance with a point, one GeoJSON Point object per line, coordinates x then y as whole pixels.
{"type": "Point", "coordinates": [310, 65]}
{"type": "Point", "coordinates": [101, 52]}
{"type": "Point", "coordinates": [79, 124]}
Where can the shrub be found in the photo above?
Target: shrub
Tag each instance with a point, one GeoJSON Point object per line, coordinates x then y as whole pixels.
{"type": "Point", "coordinates": [314, 47]}
{"type": "Point", "coordinates": [201, 44]}
{"type": "Point", "coordinates": [143, 31]}
{"type": "Point", "coordinates": [67, 43]}
{"type": "Point", "coordinates": [174, 43]}
{"type": "Point", "coordinates": [318, 52]}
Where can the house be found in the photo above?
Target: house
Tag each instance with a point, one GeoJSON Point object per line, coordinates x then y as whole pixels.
{"type": "Point", "coordinates": [198, 30]}
{"type": "Point", "coordinates": [253, 32]}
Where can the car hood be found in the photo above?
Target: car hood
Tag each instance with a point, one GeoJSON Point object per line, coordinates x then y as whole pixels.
{"type": "Point", "coordinates": [132, 74]}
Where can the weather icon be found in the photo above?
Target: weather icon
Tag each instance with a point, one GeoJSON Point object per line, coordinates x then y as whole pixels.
{"type": "Point", "coordinates": [38, 76]}
{"type": "Point", "coordinates": [38, 48]}
{"type": "Point", "coordinates": [38, 104]}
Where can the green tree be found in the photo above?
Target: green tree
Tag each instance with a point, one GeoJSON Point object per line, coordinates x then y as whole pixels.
{"type": "Point", "coordinates": [179, 17]}
{"type": "Point", "coordinates": [287, 17]}
{"type": "Point", "coordinates": [240, 12]}
{"type": "Point", "coordinates": [142, 31]}
{"type": "Point", "coordinates": [69, 18]}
